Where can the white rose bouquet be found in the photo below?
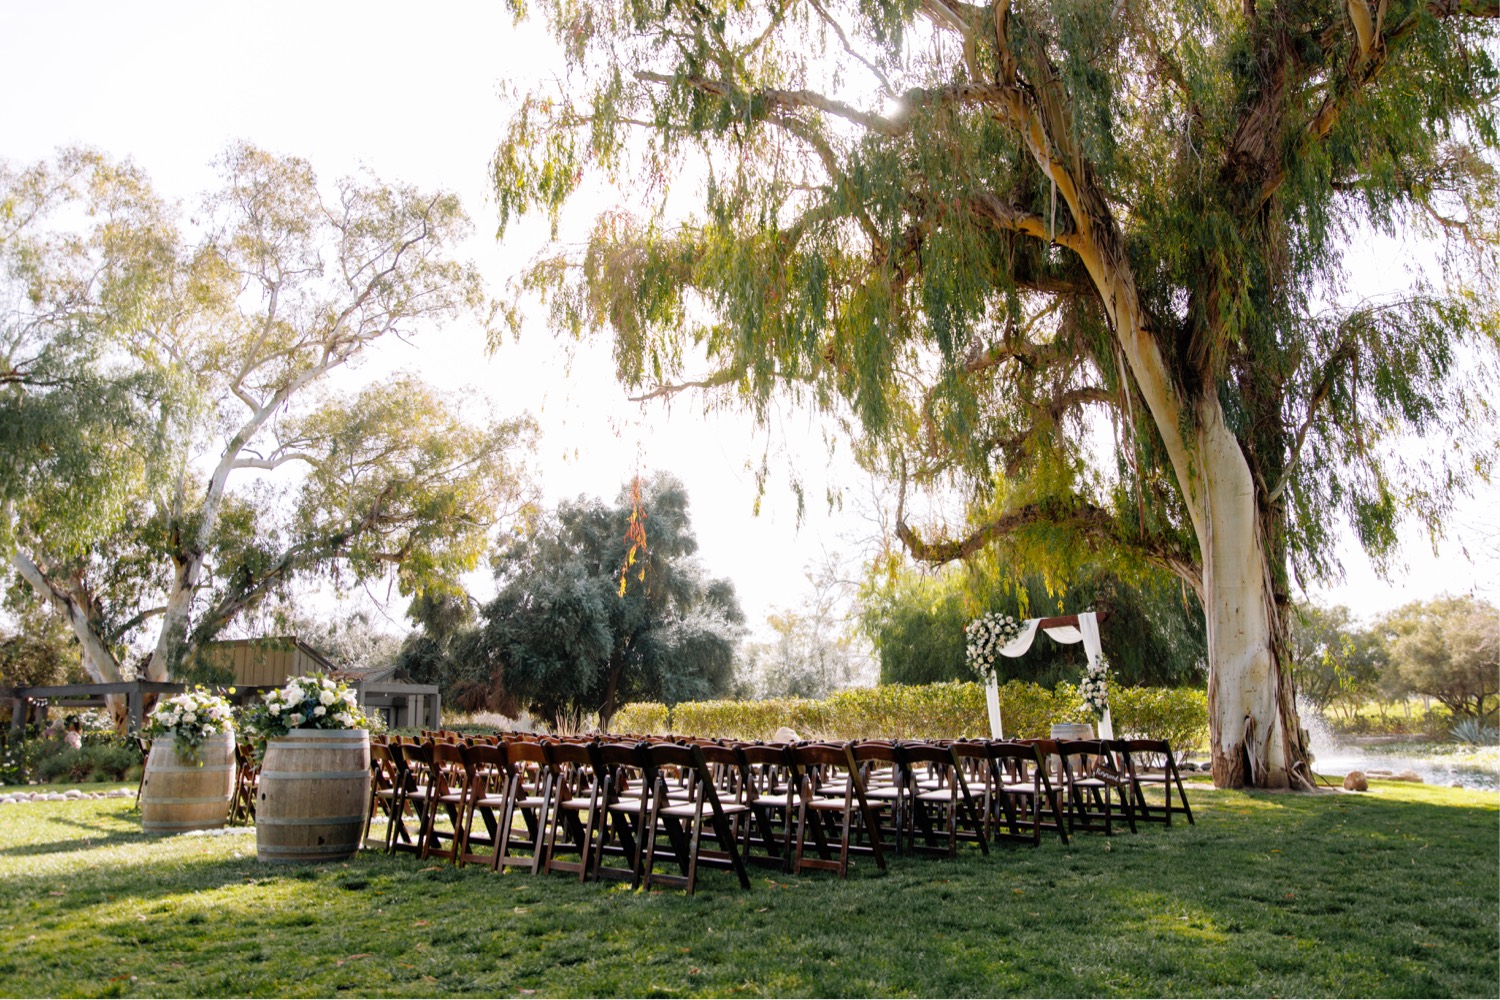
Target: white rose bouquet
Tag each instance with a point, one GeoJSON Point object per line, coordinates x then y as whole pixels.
{"type": "Point", "coordinates": [311, 702]}
{"type": "Point", "coordinates": [187, 718]}
{"type": "Point", "coordinates": [984, 637]}
{"type": "Point", "coordinates": [1094, 688]}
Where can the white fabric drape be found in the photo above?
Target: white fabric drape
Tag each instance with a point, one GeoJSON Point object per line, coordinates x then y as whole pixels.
{"type": "Point", "coordinates": [1087, 633]}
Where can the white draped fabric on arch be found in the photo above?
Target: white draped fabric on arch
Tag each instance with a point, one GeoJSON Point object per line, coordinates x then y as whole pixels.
{"type": "Point", "coordinates": [1061, 630]}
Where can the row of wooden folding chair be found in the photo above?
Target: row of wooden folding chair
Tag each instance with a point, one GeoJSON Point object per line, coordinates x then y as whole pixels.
{"type": "Point", "coordinates": [613, 810]}
{"type": "Point", "coordinates": [565, 795]}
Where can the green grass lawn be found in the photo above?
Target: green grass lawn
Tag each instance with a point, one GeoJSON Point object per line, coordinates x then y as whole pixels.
{"type": "Point", "coordinates": [1393, 893]}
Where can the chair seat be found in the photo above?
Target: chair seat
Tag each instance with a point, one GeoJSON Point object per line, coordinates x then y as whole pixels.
{"type": "Point", "coordinates": [688, 809]}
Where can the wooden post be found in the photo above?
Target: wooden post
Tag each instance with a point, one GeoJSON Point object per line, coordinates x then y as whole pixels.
{"type": "Point", "coordinates": [19, 707]}
{"type": "Point", "coordinates": [136, 699]}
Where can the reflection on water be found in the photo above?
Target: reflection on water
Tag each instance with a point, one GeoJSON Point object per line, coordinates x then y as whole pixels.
{"type": "Point", "coordinates": [1332, 755]}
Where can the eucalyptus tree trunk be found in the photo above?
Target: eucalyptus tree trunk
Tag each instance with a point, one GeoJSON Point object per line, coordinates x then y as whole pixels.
{"type": "Point", "coordinates": [1253, 728]}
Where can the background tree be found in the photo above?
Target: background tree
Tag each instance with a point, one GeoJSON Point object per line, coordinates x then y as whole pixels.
{"type": "Point", "coordinates": [567, 638]}
{"type": "Point", "coordinates": [1332, 660]}
{"type": "Point", "coordinates": [38, 650]}
{"type": "Point", "coordinates": [1153, 634]}
{"type": "Point", "coordinates": [986, 230]}
{"type": "Point", "coordinates": [1448, 649]}
{"type": "Point", "coordinates": [814, 648]}
{"type": "Point", "coordinates": [241, 327]}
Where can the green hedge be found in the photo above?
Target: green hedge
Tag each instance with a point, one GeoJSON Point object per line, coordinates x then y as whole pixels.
{"type": "Point", "coordinates": [927, 711]}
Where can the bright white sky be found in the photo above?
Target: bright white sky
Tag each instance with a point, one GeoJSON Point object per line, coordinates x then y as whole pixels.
{"type": "Point", "coordinates": [410, 91]}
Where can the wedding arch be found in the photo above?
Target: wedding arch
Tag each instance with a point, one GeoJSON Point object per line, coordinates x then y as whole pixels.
{"type": "Point", "coordinates": [1067, 629]}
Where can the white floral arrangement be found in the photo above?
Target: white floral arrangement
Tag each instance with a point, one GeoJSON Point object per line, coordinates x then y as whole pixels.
{"type": "Point", "coordinates": [1094, 688]}
{"type": "Point", "coordinates": [311, 702]}
{"type": "Point", "coordinates": [188, 718]}
{"type": "Point", "coordinates": [984, 637]}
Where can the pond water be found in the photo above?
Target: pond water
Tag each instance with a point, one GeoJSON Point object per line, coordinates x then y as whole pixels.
{"type": "Point", "coordinates": [1437, 764]}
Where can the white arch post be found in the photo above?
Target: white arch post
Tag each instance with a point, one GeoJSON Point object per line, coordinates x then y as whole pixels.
{"type": "Point", "coordinates": [1087, 633]}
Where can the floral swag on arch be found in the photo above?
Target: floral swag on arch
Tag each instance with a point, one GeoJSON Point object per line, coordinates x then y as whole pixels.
{"type": "Point", "coordinates": [1000, 634]}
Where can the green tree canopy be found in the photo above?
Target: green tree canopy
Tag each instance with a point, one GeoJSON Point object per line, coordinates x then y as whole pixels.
{"type": "Point", "coordinates": [1332, 659]}
{"type": "Point", "coordinates": [220, 466]}
{"type": "Point", "coordinates": [1152, 635]}
{"type": "Point", "coordinates": [604, 605]}
{"type": "Point", "coordinates": [996, 233]}
{"type": "Point", "coordinates": [1449, 649]}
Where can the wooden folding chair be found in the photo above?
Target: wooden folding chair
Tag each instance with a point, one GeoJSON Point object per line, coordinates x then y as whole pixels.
{"type": "Point", "coordinates": [887, 781]}
{"type": "Point", "coordinates": [529, 799]}
{"type": "Point", "coordinates": [575, 808]}
{"type": "Point", "coordinates": [448, 800]}
{"type": "Point", "coordinates": [829, 789]}
{"type": "Point", "coordinates": [1092, 785]}
{"type": "Point", "coordinates": [625, 795]}
{"type": "Point", "coordinates": [1151, 763]}
{"type": "Point", "coordinates": [950, 801]}
{"type": "Point", "coordinates": [489, 777]}
{"type": "Point", "coordinates": [682, 820]}
{"type": "Point", "coordinates": [246, 782]}
{"type": "Point", "coordinates": [406, 799]}
{"type": "Point", "coordinates": [770, 793]}
{"type": "Point", "coordinates": [1024, 795]}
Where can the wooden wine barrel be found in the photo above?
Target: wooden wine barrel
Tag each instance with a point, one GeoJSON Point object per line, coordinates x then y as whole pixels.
{"type": "Point", "coordinates": [179, 794]}
{"type": "Point", "coordinates": [314, 793]}
{"type": "Point", "coordinates": [1073, 731]}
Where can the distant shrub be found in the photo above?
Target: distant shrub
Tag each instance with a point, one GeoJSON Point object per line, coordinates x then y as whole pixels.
{"type": "Point", "coordinates": [96, 760]}
{"type": "Point", "coordinates": [946, 710]}
{"type": "Point", "coordinates": [646, 717]}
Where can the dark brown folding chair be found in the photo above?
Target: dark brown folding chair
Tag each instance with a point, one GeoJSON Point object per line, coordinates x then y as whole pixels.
{"type": "Point", "coordinates": [886, 781]}
{"type": "Point", "coordinates": [575, 808]}
{"type": "Point", "coordinates": [409, 800]}
{"type": "Point", "coordinates": [489, 777]}
{"type": "Point", "coordinates": [949, 802]}
{"type": "Point", "coordinates": [681, 821]}
{"type": "Point", "coordinates": [246, 781]}
{"type": "Point", "coordinates": [1091, 785]}
{"type": "Point", "coordinates": [831, 797]}
{"type": "Point", "coordinates": [529, 799]}
{"type": "Point", "coordinates": [1151, 763]}
{"type": "Point", "coordinates": [1025, 800]}
{"type": "Point", "coordinates": [446, 803]}
{"type": "Point", "coordinates": [770, 793]}
{"type": "Point", "coordinates": [625, 794]}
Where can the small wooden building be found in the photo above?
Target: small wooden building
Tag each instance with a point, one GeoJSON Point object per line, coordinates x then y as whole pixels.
{"type": "Point", "coordinates": [269, 661]}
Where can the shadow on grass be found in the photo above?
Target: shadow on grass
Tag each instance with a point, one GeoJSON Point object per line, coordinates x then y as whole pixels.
{"type": "Point", "coordinates": [92, 835]}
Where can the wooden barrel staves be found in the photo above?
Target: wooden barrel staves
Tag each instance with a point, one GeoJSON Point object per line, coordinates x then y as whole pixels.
{"type": "Point", "coordinates": [179, 794]}
{"type": "Point", "coordinates": [314, 793]}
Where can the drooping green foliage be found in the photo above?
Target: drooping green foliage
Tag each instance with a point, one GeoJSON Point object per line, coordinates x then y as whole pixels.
{"type": "Point", "coordinates": [83, 414]}
{"type": "Point", "coordinates": [1152, 633]}
{"type": "Point", "coordinates": [1102, 272]}
{"type": "Point", "coordinates": [567, 639]}
{"type": "Point", "coordinates": [872, 228]}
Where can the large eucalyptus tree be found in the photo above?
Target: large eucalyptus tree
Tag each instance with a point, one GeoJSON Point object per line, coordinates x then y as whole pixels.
{"type": "Point", "coordinates": [177, 454]}
{"type": "Point", "coordinates": [975, 225]}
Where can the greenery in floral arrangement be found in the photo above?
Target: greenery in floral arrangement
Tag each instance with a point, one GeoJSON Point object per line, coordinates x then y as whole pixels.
{"type": "Point", "coordinates": [984, 637]}
{"type": "Point", "coordinates": [1094, 688]}
{"type": "Point", "coordinates": [188, 718]}
{"type": "Point", "coordinates": [311, 702]}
